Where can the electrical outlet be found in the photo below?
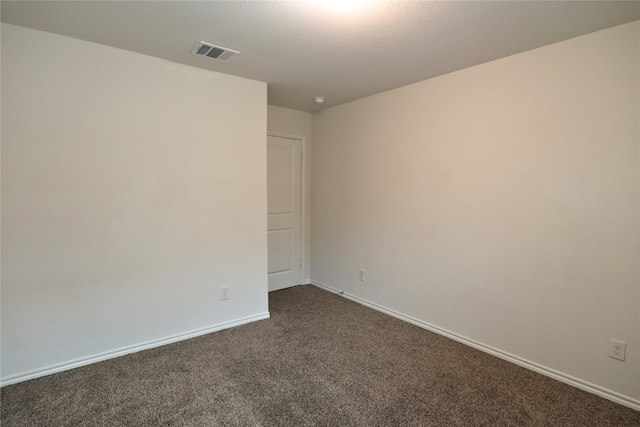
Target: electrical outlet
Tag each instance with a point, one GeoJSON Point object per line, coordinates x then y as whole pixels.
{"type": "Point", "coordinates": [224, 292]}
{"type": "Point", "coordinates": [617, 349]}
{"type": "Point", "coordinates": [362, 277]}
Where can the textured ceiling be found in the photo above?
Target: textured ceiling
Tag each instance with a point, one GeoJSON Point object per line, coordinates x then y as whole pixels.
{"type": "Point", "coordinates": [303, 49]}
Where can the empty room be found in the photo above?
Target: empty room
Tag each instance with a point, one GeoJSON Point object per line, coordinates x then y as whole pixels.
{"type": "Point", "coordinates": [320, 213]}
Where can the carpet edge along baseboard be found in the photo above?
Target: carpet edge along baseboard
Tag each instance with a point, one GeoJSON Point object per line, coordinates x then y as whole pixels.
{"type": "Point", "coordinates": [541, 369]}
{"type": "Point", "coordinates": [88, 360]}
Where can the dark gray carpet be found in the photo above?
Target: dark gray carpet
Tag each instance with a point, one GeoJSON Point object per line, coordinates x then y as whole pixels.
{"type": "Point", "coordinates": [320, 360]}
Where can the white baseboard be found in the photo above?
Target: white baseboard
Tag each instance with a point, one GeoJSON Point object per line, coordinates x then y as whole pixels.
{"type": "Point", "coordinates": [562, 377]}
{"type": "Point", "coordinates": [128, 350]}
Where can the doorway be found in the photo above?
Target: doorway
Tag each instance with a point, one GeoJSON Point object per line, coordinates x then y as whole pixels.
{"type": "Point", "coordinates": [284, 211]}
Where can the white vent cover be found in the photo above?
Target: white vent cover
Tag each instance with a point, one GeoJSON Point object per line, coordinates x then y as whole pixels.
{"type": "Point", "coordinates": [214, 52]}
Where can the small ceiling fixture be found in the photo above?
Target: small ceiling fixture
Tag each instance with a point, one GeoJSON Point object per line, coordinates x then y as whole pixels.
{"type": "Point", "coordinates": [214, 52]}
{"type": "Point", "coordinates": [319, 99]}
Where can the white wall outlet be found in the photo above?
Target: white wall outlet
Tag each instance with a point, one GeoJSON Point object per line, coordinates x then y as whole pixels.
{"type": "Point", "coordinates": [362, 276]}
{"type": "Point", "coordinates": [617, 349]}
{"type": "Point", "coordinates": [224, 292]}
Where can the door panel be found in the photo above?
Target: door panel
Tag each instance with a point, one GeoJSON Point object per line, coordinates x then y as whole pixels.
{"type": "Point", "coordinates": [279, 183]}
{"type": "Point", "coordinates": [280, 251]}
{"type": "Point", "coordinates": [284, 158]}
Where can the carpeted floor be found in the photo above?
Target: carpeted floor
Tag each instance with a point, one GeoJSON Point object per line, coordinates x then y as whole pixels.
{"type": "Point", "coordinates": [320, 360]}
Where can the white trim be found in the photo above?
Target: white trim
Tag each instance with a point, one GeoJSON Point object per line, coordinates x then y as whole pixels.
{"type": "Point", "coordinates": [83, 361]}
{"type": "Point", "coordinates": [303, 200]}
{"type": "Point", "coordinates": [560, 376]}
{"type": "Point", "coordinates": [285, 135]}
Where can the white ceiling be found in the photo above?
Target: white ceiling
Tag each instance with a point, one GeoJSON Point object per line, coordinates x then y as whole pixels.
{"type": "Point", "coordinates": [304, 49]}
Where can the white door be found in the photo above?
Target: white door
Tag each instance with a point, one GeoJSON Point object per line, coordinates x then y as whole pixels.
{"type": "Point", "coordinates": [284, 164]}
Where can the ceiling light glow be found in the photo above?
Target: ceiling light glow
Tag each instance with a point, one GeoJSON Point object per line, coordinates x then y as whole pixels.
{"type": "Point", "coordinates": [342, 5]}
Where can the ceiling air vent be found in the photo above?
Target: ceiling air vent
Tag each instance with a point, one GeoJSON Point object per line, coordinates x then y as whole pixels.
{"type": "Point", "coordinates": [214, 52]}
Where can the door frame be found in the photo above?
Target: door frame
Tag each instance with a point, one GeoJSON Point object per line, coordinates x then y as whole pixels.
{"type": "Point", "coordinates": [303, 198]}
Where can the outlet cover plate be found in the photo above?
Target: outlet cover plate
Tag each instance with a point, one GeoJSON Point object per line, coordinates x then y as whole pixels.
{"type": "Point", "coordinates": [617, 349]}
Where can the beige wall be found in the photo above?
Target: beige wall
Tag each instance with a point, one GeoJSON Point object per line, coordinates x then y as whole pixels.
{"type": "Point", "coordinates": [498, 203]}
{"type": "Point", "coordinates": [298, 123]}
{"type": "Point", "coordinates": [132, 189]}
